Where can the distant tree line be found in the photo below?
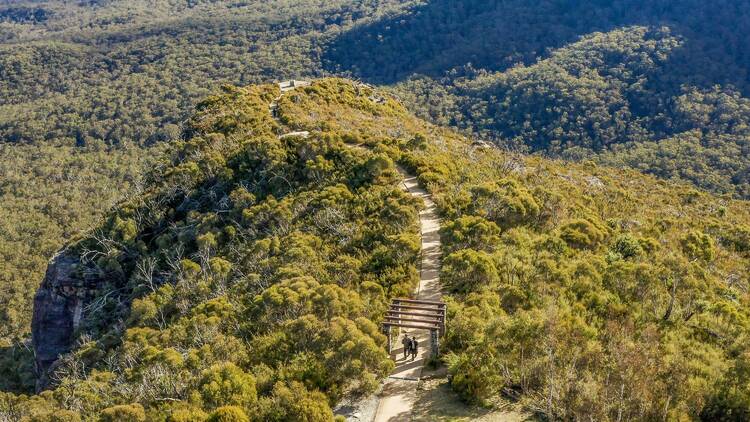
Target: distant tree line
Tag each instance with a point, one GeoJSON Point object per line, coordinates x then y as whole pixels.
{"type": "Point", "coordinates": [605, 98]}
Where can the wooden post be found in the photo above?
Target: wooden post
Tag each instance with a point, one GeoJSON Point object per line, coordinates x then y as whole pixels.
{"type": "Point", "coordinates": [390, 342]}
{"type": "Point", "coordinates": [435, 343]}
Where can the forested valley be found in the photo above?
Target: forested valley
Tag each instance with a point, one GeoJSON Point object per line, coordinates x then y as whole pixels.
{"type": "Point", "coordinates": [577, 284]}
{"type": "Point", "coordinates": [89, 89]}
{"type": "Point", "coordinates": [246, 280]}
{"type": "Point", "coordinates": [659, 86]}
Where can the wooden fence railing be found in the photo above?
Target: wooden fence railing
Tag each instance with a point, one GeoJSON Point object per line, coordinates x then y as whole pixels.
{"type": "Point", "coordinates": [419, 315]}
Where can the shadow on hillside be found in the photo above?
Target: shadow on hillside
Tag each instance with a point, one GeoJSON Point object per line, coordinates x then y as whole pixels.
{"type": "Point", "coordinates": [495, 34]}
{"type": "Point", "coordinates": [17, 369]}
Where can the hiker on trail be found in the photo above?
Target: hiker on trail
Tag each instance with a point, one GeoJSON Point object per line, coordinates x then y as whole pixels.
{"type": "Point", "coordinates": [414, 345]}
{"type": "Point", "coordinates": [407, 345]}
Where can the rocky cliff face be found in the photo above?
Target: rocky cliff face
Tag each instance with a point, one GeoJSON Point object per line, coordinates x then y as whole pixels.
{"type": "Point", "coordinates": [58, 307]}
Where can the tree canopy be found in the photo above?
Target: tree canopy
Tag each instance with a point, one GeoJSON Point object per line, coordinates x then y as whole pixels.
{"type": "Point", "coordinates": [239, 285]}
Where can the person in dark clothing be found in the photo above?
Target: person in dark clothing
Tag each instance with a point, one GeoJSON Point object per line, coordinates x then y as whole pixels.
{"type": "Point", "coordinates": [414, 345]}
{"type": "Point", "coordinates": [407, 345]}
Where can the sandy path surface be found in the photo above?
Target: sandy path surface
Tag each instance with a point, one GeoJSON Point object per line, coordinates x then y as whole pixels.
{"type": "Point", "coordinates": [399, 393]}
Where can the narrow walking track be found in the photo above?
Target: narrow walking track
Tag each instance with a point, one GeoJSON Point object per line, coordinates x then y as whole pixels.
{"type": "Point", "coordinates": [399, 392]}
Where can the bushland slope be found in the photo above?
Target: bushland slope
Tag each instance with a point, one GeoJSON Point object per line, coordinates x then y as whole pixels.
{"type": "Point", "coordinates": [252, 271]}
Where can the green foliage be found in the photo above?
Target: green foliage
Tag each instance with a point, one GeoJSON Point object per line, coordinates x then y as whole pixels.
{"type": "Point", "coordinates": [699, 246]}
{"type": "Point", "coordinates": [471, 232]}
{"type": "Point", "coordinates": [642, 95]}
{"type": "Point", "coordinates": [187, 415]}
{"type": "Point", "coordinates": [582, 233]}
{"type": "Point", "coordinates": [498, 35]}
{"type": "Point", "coordinates": [79, 121]}
{"type": "Point", "coordinates": [544, 311]}
{"type": "Point", "coordinates": [472, 378]}
{"type": "Point", "coordinates": [469, 270]}
{"type": "Point", "coordinates": [627, 246]}
{"type": "Point", "coordinates": [729, 402]}
{"type": "Point", "coordinates": [505, 202]}
{"type": "Point", "coordinates": [634, 318]}
{"type": "Point", "coordinates": [228, 414]}
{"type": "Point", "coordinates": [57, 416]}
{"type": "Point", "coordinates": [226, 384]}
{"type": "Point", "coordinates": [294, 403]}
{"type": "Point", "coordinates": [123, 413]}
{"type": "Point", "coordinates": [740, 238]}
{"type": "Point", "coordinates": [538, 308]}
{"type": "Point", "coordinates": [56, 87]}
{"type": "Point", "coordinates": [221, 289]}
{"type": "Point", "coordinates": [49, 194]}
{"type": "Point", "coordinates": [87, 90]}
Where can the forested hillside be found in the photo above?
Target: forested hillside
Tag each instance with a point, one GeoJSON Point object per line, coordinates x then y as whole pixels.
{"type": "Point", "coordinates": [88, 88]}
{"type": "Point", "coordinates": [598, 261]}
{"type": "Point", "coordinates": [606, 97]}
{"type": "Point", "coordinates": [440, 35]}
{"type": "Point", "coordinates": [655, 85]}
{"type": "Point", "coordinates": [80, 78]}
{"type": "Point", "coordinates": [245, 279]}
{"type": "Point", "coordinates": [249, 275]}
{"type": "Point", "coordinates": [132, 71]}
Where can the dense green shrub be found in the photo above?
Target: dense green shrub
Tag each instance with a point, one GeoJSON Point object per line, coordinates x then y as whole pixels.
{"type": "Point", "coordinates": [627, 246]}
{"type": "Point", "coordinates": [699, 246]}
{"type": "Point", "coordinates": [471, 232]}
{"type": "Point", "coordinates": [123, 413]}
{"type": "Point", "coordinates": [739, 238]}
{"type": "Point", "coordinates": [469, 270]}
{"type": "Point", "coordinates": [582, 233]}
{"type": "Point", "coordinates": [643, 94]}
{"type": "Point", "coordinates": [226, 384]}
{"type": "Point", "coordinates": [228, 414]}
{"type": "Point", "coordinates": [505, 202]}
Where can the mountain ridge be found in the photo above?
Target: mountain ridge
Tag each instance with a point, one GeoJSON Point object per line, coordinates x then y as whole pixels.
{"type": "Point", "coordinates": [244, 249]}
{"type": "Point", "coordinates": [95, 83]}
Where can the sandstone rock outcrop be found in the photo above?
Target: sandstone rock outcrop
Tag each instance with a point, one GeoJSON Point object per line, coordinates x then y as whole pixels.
{"type": "Point", "coordinates": [58, 308]}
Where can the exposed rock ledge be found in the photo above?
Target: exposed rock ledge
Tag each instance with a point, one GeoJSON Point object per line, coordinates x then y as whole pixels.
{"type": "Point", "coordinates": [58, 306]}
